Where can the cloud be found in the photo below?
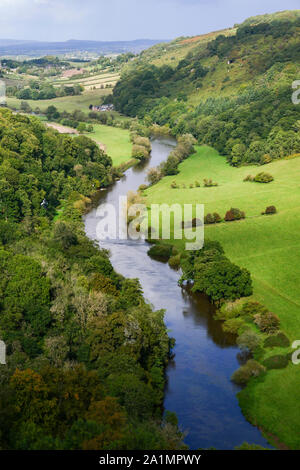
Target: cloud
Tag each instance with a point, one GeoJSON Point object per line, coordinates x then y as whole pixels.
{"type": "Point", "coordinates": [126, 19]}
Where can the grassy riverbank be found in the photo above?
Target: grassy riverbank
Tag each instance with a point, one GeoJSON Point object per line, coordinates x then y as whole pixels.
{"type": "Point", "coordinates": [117, 142]}
{"type": "Point", "coordinates": [261, 244]}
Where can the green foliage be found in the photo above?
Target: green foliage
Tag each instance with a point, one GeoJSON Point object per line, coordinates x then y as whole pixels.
{"type": "Point", "coordinates": [279, 340]}
{"type": "Point", "coordinates": [251, 369]}
{"type": "Point", "coordinates": [214, 218]}
{"type": "Point", "coordinates": [263, 178]}
{"type": "Point", "coordinates": [234, 214]}
{"type": "Point", "coordinates": [86, 353]}
{"type": "Point", "coordinates": [247, 446]}
{"type": "Point", "coordinates": [233, 325]}
{"type": "Point", "coordinates": [276, 362]}
{"type": "Point", "coordinates": [215, 275]}
{"type": "Point", "coordinates": [270, 210]}
{"type": "Point", "coordinates": [248, 340]}
{"type": "Point", "coordinates": [267, 322]}
{"type": "Point", "coordinates": [161, 251]}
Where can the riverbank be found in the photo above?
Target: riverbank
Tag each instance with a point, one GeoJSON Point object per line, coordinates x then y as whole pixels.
{"type": "Point", "coordinates": [260, 244]}
{"type": "Point", "coordinates": [198, 387]}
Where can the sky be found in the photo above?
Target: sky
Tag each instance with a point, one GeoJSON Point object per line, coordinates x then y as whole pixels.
{"type": "Point", "coordinates": [115, 20]}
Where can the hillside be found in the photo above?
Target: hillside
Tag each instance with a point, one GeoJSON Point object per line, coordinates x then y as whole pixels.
{"type": "Point", "coordinates": [232, 92]}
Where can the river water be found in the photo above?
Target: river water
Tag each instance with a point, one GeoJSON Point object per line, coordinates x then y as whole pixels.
{"type": "Point", "coordinates": [198, 387]}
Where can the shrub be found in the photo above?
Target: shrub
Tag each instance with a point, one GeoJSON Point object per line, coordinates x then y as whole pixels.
{"type": "Point", "coordinates": [270, 210]}
{"type": "Point", "coordinates": [251, 369]}
{"type": "Point", "coordinates": [214, 218]}
{"type": "Point", "coordinates": [161, 252]}
{"type": "Point", "coordinates": [174, 185]}
{"type": "Point", "coordinates": [143, 142]}
{"type": "Point", "coordinates": [228, 310]}
{"type": "Point", "coordinates": [260, 178]}
{"type": "Point", "coordinates": [174, 262]}
{"type": "Point", "coordinates": [263, 178]}
{"type": "Point", "coordinates": [279, 340]}
{"type": "Point", "coordinates": [154, 175]}
{"type": "Point", "coordinates": [276, 362]}
{"type": "Point", "coordinates": [208, 183]}
{"type": "Point", "coordinates": [140, 152]}
{"type": "Point", "coordinates": [143, 187]}
{"type": "Point", "coordinates": [191, 186]}
{"type": "Point", "coordinates": [248, 178]}
{"type": "Point", "coordinates": [252, 308]}
{"type": "Point", "coordinates": [233, 325]}
{"type": "Point", "coordinates": [234, 214]}
{"type": "Point", "coordinates": [248, 340]}
{"type": "Point", "coordinates": [192, 224]}
{"type": "Point", "coordinates": [267, 322]}
{"type": "Point", "coordinates": [197, 184]}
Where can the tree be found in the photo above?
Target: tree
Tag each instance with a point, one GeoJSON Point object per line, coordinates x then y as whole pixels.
{"type": "Point", "coordinates": [64, 236]}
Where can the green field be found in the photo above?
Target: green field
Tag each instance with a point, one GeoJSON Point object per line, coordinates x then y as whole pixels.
{"type": "Point", "coordinates": [65, 103]}
{"type": "Point", "coordinates": [117, 142]}
{"type": "Point", "coordinates": [269, 246]}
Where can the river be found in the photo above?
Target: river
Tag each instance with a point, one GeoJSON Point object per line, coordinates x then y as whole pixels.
{"type": "Point", "coordinates": [198, 386]}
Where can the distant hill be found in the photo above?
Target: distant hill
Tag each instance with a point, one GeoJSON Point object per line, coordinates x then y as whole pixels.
{"type": "Point", "coordinates": [10, 47]}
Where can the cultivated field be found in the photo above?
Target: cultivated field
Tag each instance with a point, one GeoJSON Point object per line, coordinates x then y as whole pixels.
{"type": "Point", "coordinates": [65, 103]}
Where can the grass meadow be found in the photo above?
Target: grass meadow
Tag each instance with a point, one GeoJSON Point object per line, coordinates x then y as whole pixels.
{"type": "Point", "coordinates": [269, 246]}
{"type": "Point", "coordinates": [117, 142]}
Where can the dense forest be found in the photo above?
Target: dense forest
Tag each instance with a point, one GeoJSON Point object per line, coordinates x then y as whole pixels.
{"type": "Point", "coordinates": [249, 120]}
{"type": "Point", "coordinates": [85, 353]}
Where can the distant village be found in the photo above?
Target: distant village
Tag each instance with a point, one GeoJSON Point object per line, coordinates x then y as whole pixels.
{"type": "Point", "coordinates": [102, 108]}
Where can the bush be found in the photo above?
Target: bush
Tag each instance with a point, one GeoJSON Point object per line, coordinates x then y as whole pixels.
{"type": "Point", "coordinates": [208, 183]}
{"type": "Point", "coordinates": [192, 224]}
{"type": "Point", "coordinates": [214, 218]}
{"type": "Point", "coordinates": [263, 178]}
{"type": "Point", "coordinates": [143, 142]}
{"type": "Point", "coordinates": [267, 322]}
{"type": "Point", "coordinates": [260, 178]}
{"type": "Point", "coordinates": [174, 185]}
{"type": "Point", "coordinates": [161, 252]}
{"type": "Point", "coordinates": [248, 340]}
{"type": "Point", "coordinates": [234, 214]}
{"type": "Point", "coordinates": [252, 308]}
{"type": "Point", "coordinates": [280, 340]}
{"type": "Point", "coordinates": [251, 369]}
{"type": "Point", "coordinates": [174, 262]}
{"type": "Point", "coordinates": [197, 184]}
{"type": "Point", "coordinates": [154, 175]}
{"type": "Point", "coordinates": [140, 152]}
{"type": "Point", "coordinates": [233, 325]}
{"type": "Point", "coordinates": [248, 178]}
{"type": "Point", "coordinates": [228, 310]}
{"type": "Point", "coordinates": [270, 210]}
{"type": "Point", "coordinates": [276, 362]}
